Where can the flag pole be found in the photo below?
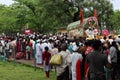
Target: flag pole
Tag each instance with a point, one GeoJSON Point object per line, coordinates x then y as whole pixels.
{"type": "Point", "coordinates": [35, 55]}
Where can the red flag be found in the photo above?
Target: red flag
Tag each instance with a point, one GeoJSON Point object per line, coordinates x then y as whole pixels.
{"type": "Point", "coordinates": [81, 16]}
{"type": "Point", "coordinates": [95, 13]}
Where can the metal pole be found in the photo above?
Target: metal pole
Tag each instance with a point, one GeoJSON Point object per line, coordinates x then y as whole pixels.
{"type": "Point", "coordinates": [14, 52]}
{"type": "Point", "coordinates": [35, 55]}
{"type": "Point", "coordinates": [4, 54]}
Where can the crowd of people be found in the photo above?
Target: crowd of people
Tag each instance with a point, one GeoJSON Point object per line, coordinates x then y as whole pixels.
{"type": "Point", "coordinates": [82, 59]}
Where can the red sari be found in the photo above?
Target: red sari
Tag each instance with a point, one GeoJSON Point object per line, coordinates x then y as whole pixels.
{"type": "Point", "coordinates": [88, 50]}
{"type": "Point", "coordinates": [78, 70]}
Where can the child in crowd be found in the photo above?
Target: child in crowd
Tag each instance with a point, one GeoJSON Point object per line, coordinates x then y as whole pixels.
{"type": "Point", "coordinates": [28, 52]}
{"type": "Point", "coordinates": [46, 58]}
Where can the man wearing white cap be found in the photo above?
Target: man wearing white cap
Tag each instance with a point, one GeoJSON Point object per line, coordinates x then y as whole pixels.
{"type": "Point", "coordinates": [118, 39]}
{"type": "Point", "coordinates": [44, 44]}
{"type": "Point", "coordinates": [38, 52]}
{"type": "Point", "coordinates": [89, 32]}
{"type": "Point", "coordinates": [76, 59]}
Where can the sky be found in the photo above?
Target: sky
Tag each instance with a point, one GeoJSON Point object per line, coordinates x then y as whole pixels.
{"type": "Point", "coordinates": [7, 2]}
{"type": "Point", "coordinates": [116, 3]}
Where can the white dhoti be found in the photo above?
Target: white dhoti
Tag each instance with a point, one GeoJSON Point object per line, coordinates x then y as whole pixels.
{"type": "Point", "coordinates": [39, 59]}
{"type": "Point", "coordinates": [38, 54]}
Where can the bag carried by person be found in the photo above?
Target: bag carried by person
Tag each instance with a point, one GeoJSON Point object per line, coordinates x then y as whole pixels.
{"type": "Point", "coordinates": [19, 55]}
{"type": "Point", "coordinates": [56, 59]}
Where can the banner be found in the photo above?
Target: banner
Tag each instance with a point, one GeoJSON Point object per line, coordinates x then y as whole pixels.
{"type": "Point", "coordinates": [26, 32]}
{"type": "Point", "coordinates": [105, 32]}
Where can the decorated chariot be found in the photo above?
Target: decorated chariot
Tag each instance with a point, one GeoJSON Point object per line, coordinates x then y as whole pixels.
{"type": "Point", "coordinates": [88, 28]}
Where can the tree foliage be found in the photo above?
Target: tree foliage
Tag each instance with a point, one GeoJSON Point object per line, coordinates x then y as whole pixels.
{"type": "Point", "coordinates": [103, 7]}
{"type": "Point", "coordinates": [115, 18]}
{"type": "Point", "coordinates": [47, 15]}
{"type": "Point", "coordinates": [7, 19]}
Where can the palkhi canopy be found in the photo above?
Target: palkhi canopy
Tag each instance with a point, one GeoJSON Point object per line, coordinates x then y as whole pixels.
{"type": "Point", "coordinates": [77, 24]}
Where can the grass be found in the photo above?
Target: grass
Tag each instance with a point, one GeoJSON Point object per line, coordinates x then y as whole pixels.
{"type": "Point", "coordinates": [9, 71]}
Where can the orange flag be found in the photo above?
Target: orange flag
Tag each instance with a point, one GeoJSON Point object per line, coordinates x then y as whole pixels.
{"type": "Point", "coordinates": [81, 16]}
{"type": "Point", "coordinates": [95, 13]}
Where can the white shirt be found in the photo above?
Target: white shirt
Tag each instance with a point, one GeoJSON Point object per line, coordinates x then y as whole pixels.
{"type": "Point", "coordinates": [110, 40]}
{"type": "Point", "coordinates": [74, 58]}
{"type": "Point", "coordinates": [43, 45]}
{"type": "Point", "coordinates": [90, 33]}
{"type": "Point", "coordinates": [38, 49]}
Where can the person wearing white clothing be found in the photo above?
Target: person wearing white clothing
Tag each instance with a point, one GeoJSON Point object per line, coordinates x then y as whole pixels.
{"type": "Point", "coordinates": [90, 33]}
{"type": "Point", "coordinates": [44, 44]}
{"type": "Point", "coordinates": [75, 56]}
{"type": "Point", "coordinates": [38, 53]}
{"type": "Point", "coordinates": [110, 40]}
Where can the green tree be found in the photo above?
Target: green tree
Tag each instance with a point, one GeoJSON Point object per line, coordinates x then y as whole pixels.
{"type": "Point", "coordinates": [7, 19]}
{"type": "Point", "coordinates": [46, 15]}
{"type": "Point", "coordinates": [114, 20]}
{"type": "Point", "coordinates": [104, 10]}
